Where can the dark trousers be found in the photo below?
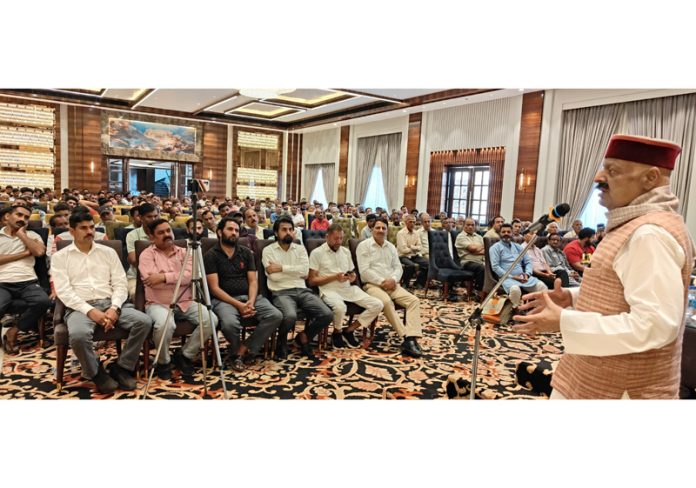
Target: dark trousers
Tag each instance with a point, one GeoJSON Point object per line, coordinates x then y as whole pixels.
{"type": "Point", "coordinates": [35, 297]}
{"type": "Point", "coordinates": [479, 271]}
{"type": "Point", "coordinates": [318, 314]}
{"type": "Point", "coordinates": [410, 265]}
{"type": "Point", "coordinates": [560, 273]}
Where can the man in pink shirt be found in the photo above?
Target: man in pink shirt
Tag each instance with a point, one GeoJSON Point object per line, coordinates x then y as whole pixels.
{"type": "Point", "coordinates": [159, 266]}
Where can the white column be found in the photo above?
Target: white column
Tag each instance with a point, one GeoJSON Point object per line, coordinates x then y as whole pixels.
{"type": "Point", "coordinates": [64, 160]}
{"type": "Point", "coordinates": [284, 174]}
{"type": "Point", "coordinates": [228, 182]}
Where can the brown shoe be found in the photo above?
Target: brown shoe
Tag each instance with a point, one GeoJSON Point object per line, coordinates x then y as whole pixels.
{"type": "Point", "coordinates": [9, 342]}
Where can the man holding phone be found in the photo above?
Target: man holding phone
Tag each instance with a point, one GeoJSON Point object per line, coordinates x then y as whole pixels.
{"type": "Point", "coordinates": [331, 269]}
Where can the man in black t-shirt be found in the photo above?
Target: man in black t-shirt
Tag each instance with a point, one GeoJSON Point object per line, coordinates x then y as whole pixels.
{"type": "Point", "coordinates": [233, 283]}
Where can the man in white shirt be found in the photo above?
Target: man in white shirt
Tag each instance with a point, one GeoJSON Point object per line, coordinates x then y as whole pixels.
{"type": "Point", "coordinates": [90, 281]}
{"type": "Point", "coordinates": [251, 223]}
{"type": "Point", "coordinates": [380, 271]}
{"type": "Point", "coordinates": [410, 251]}
{"type": "Point", "coordinates": [623, 335]}
{"type": "Point", "coordinates": [331, 268]}
{"type": "Point", "coordinates": [423, 235]}
{"type": "Point", "coordinates": [573, 233]}
{"type": "Point", "coordinates": [287, 265]}
{"type": "Point", "coordinates": [18, 280]}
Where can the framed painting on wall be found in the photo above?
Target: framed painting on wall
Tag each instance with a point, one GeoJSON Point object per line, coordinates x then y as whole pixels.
{"type": "Point", "coordinates": [150, 137]}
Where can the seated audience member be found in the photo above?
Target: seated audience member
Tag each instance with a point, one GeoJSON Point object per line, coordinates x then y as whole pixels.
{"type": "Point", "coordinates": [208, 220]}
{"type": "Point", "coordinates": [200, 230]}
{"type": "Point", "coordinates": [135, 217]}
{"type": "Point", "coordinates": [366, 233]}
{"type": "Point", "coordinates": [599, 235]}
{"type": "Point", "coordinates": [287, 265]}
{"type": "Point", "coordinates": [573, 233]}
{"type": "Point", "coordinates": [540, 267]}
{"type": "Point", "coordinates": [472, 254]}
{"type": "Point", "coordinates": [516, 230]}
{"type": "Point", "coordinates": [579, 252]}
{"type": "Point", "coordinates": [320, 222]}
{"type": "Point", "coordinates": [551, 229]}
{"type": "Point", "coordinates": [494, 228]}
{"type": "Point", "coordinates": [232, 279]}
{"type": "Point", "coordinates": [223, 210]}
{"type": "Point", "coordinates": [408, 246]}
{"type": "Point", "coordinates": [502, 254]}
{"type": "Point", "coordinates": [90, 281]}
{"type": "Point", "coordinates": [297, 218]}
{"type": "Point", "coordinates": [331, 268]}
{"type": "Point", "coordinates": [459, 224]}
{"type": "Point", "coordinates": [559, 263]}
{"type": "Point", "coordinates": [160, 266]}
{"type": "Point", "coordinates": [148, 214]}
{"type": "Point", "coordinates": [276, 214]}
{"type": "Point", "coordinates": [251, 223]}
{"type": "Point", "coordinates": [380, 271]}
{"type": "Point", "coordinates": [57, 223]}
{"type": "Point", "coordinates": [18, 280]}
{"type": "Point", "coordinates": [423, 234]}
{"type": "Point", "coordinates": [396, 218]}
{"type": "Point", "coordinates": [106, 214]}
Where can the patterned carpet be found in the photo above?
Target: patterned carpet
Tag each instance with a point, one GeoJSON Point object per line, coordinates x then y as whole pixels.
{"type": "Point", "coordinates": [378, 373]}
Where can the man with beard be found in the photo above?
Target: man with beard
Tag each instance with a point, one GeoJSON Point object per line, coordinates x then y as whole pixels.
{"type": "Point", "coordinates": [90, 281]}
{"type": "Point", "coordinates": [502, 254]}
{"type": "Point", "coordinates": [160, 265]}
{"type": "Point", "coordinates": [200, 230]}
{"type": "Point", "coordinates": [233, 283]}
{"type": "Point", "coordinates": [287, 265]}
{"type": "Point", "coordinates": [579, 251]}
{"type": "Point", "coordinates": [148, 214]}
{"type": "Point", "coordinates": [18, 280]}
{"type": "Point", "coordinates": [331, 269]}
{"type": "Point", "coordinates": [381, 270]}
{"type": "Point", "coordinates": [494, 230]}
{"type": "Point", "coordinates": [622, 337]}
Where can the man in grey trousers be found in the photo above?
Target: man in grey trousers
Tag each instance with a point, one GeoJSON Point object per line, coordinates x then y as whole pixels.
{"type": "Point", "coordinates": [90, 280]}
{"type": "Point", "coordinates": [233, 283]}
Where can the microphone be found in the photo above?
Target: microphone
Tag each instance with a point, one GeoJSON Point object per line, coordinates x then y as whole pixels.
{"type": "Point", "coordinates": [554, 215]}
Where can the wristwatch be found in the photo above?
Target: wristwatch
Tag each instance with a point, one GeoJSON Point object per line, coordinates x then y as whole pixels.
{"type": "Point", "coordinates": [118, 309]}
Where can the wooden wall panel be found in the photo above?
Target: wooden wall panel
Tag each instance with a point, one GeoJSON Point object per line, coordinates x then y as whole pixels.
{"type": "Point", "coordinates": [294, 175]}
{"type": "Point", "coordinates": [528, 155]}
{"type": "Point", "coordinates": [214, 159]}
{"type": "Point", "coordinates": [343, 164]}
{"type": "Point", "coordinates": [84, 146]}
{"type": "Point", "coordinates": [412, 154]}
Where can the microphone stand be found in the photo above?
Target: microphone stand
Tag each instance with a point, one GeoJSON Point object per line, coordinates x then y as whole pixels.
{"type": "Point", "coordinates": [476, 319]}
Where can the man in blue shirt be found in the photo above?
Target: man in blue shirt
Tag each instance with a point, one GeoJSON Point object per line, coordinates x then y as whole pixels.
{"type": "Point", "coordinates": [502, 254]}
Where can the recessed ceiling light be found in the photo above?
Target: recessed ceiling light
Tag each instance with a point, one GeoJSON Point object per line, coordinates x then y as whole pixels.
{"type": "Point", "coordinates": [520, 89]}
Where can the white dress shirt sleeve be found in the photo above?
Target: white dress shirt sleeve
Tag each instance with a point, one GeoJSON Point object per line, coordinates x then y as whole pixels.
{"type": "Point", "coordinates": [119, 282]}
{"type": "Point", "coordinates": [649, 267]}
{"type": "Point", "coordinates": [397, 269]}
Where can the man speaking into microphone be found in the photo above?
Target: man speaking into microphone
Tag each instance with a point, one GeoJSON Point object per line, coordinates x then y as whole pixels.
{"type": "Point", "coordinates": [623, 335]}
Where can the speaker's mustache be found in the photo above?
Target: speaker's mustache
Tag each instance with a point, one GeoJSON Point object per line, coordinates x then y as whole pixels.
{"type": "Point", "coordinates": [602, 186]}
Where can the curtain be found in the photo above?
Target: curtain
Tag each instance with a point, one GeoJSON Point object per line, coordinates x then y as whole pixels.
{"type": "Point", "coordinates": [328, 173]}
{"type": "Point", "coordinates": [365, 162]}
{"type": "Point", "coordinates": [671, 118]}
{"type": "Point", "coordinates": [585, 135]}
{"type": "Point", "coordinates": [390, 151]}
{"type": "Point", "coordinates": [311, 173]}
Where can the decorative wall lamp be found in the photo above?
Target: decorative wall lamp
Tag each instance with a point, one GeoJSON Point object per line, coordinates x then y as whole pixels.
{"type": "Point", "coordinates": [91, 166]}
{"type": "Point", "coordinates": [524, 181]}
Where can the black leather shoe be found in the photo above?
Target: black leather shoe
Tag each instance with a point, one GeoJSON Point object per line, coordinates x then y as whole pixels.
{"type": "Point", "coordinates": [105, 383]}
{"type": "Point", "coordinates": [414, 341]}
{"type": "Point", "coordinates": [350, 338]}
{"type": "Point", "coordinates": [163, 371]}
{"type": "Point", "coordinates": [281, 351]}
{"type": "Point", "coordinates": [123, 377]}
{"type": "Point", "coordinates": [410, 348]}
{"type": "Point", "coordinates": [337, 340]}
{"type": "Point", "coordinates": [238, 364]}
{"type": "Point", "coordinates": [184, 364]}
{"type": "Point", "coordinates": [305, 349]}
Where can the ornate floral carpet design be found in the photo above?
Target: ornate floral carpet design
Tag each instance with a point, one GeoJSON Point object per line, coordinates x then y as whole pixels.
{"type": "Point", "coordinates": [380, 372]}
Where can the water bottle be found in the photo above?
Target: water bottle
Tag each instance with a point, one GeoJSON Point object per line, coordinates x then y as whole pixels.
{"type": "Point", "coordinates": [690, 314]}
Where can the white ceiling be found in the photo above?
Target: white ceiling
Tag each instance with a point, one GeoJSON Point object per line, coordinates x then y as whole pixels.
{"type": "Point", "coordinates": [185, 100]}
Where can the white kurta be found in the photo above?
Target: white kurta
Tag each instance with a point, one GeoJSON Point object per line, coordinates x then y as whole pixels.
{"type": "Point", "coordinates": [649, 267]}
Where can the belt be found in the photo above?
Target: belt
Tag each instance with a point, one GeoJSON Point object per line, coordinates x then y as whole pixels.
{"type": "Point", "coordinates": [92, 302]}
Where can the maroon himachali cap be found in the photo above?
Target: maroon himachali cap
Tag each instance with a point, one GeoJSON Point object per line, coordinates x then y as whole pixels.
{"type": "Point", "coordinates": [645, 150]}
